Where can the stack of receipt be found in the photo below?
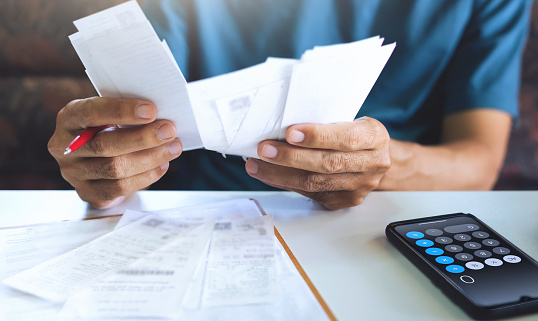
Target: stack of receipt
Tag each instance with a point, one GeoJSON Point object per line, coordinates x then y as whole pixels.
{"type": "Point", "coordinates": [230, 113]}
{"type": "Point", "coordinates": [206, 262]}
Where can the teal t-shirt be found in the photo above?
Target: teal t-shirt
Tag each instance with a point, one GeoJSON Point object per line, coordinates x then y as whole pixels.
{"type": "Point", "coordinates": [451, 56]}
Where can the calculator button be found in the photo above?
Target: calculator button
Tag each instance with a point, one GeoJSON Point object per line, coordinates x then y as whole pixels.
{"type": "Point", "coordinates": [462, 237]}
{"type": "Point", "coordinates": [490, 242]}
{"type": "Point", "coordinates": [512, 259]}
{"type": "Point", "coordinates": [501, 250]}
{"type": "Point", "coordinates": [493, 262]}
{"type": "Point", "coordinates": [461, 228]}
{"type": "Point", "coordinates": [472, 245]}
{"type": "Point", "coordinates": [473, 265]}
{"type": "Point", "coordinates": [434, 232]}
{"type": "Point", "coordinates": [414, 235]}
{"type": "Point", "coordinates": [480, 235]}
{"type": "Point", "coordinates": [453, 248]}
{"type": "Point", "coordinates": [482, 253]}
{"type": "Point", "coordinates": [466, 279]}
{"type": "Point", "coordinates": [455, 268]}
{"type": "Point", "coordinates": [424, 243]}
{"type": "Point", "coordinates": [464, 257]}
{"type": "Point", "coordinates": [434, 251]}
{"type": "Point", "coordinates": [443, 240]}
{"type": "Point", "coordinates": [444, 259]}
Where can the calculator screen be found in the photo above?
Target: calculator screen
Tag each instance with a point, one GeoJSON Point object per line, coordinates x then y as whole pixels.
{"type": "Point", "coordinates": [475, 258]}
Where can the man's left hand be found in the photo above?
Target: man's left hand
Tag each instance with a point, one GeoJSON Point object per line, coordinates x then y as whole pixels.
{"type": "Point", "coordinates": [336, 164]}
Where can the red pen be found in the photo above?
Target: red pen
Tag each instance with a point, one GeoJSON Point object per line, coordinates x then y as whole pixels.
{"type": "Point", "coordinates": [83, 138]}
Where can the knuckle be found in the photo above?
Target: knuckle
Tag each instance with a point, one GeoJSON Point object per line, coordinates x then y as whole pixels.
{"type": "Point", "coordinates": [115, 167]}
{"type": "Point", "coordinates": [101, 145]}
{"type": "Point", "coordinates": [69, 111]}
{"type": "Point", "coordinates": [326, 135]}
{"type": "Point", "coordinates": [383, 162]}
{"type": "Point", "coordinates": [53, 148]}
{"type": "Point", "coordinates": [368, 136]}
{"type": "Point", "coordinates": [379, 130]}
{"type": "Point", "coordinates": [370, 185]}
{"type": "Point", "coordinates": [118, 187]}
{"type": "Point", "coordinates": [67, 172]}
{"type": "Point", "coordinates": [370, 132]}
{"type": "Point", "coordinates": [85, 111]}
{"type": "Point", "coordinates": [356, 200]}
{"type": "Point", "coordinates": [314, 182]}
{"type": "Point", "coordinates": [334, 163]}
{"type": "Point", "coordinates": [62, 114]}
{"type": "Point", "coordinates": [381, 133]}
{"type": "Point", "coordinates": [293, 156]}
{"type": "Point", "coordinates": [104, 191]}
{"type": "Point", "coordinates": [353, 138]}
{"type": "Point", "coordinates": [153, 176]}
{"type": "Point", "coordinates": [99, 204]}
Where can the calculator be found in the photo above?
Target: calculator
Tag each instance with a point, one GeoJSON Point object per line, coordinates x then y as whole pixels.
{"type": "Point", "coordinates": [475, 266]}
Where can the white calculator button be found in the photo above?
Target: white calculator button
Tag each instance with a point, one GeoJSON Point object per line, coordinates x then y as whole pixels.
{"type": "Point", "coordinates": [473, 265]}
{"type": "Point", "coordinates": [512, 258]}
{"type": "Point", "coordinates": [466, 279]}
{"type": "Point", "coordinates": [493, 262]}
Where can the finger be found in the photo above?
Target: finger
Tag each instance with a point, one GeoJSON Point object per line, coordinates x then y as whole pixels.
{"type": "Point", "coordinates": [363, 133]}
{"type": "Point", "coordinates": [101, 193]}
{"type": "Point", "coordinates": [120, 141]}
{"type": "Point", "coordinates": [323, 160]}
{"type": "Point", "coordinates": [123, 166]}
{"type": "Point", "coordinates": [97, 111]}
{"type": "Point", "coordinates": [337, 200]}
{"type": "Point", "coordinates": [292, 178]}
{"type": "Point", "coordinates": [332, 200]}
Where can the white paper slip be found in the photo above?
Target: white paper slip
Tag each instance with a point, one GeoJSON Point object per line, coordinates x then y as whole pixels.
{"type": "Point", "coordinates": [240, 265]}
{"type": "Point", "coordinates": [223, 105]}
{"type": "Point", "coordinates": [23, 247]}
{"type": "Point", "coordinates": [61, 277]}
{"type": "Point", "coordinates": [126, 59]}
{"type": "Point", "coordinates": [153, 286]}
{"type": "Point", "coordinates": [225, 210]}
{"type": "Point", "coordinates": [333, 87]}
{"type": "Point", "coordinates": [26, 246]}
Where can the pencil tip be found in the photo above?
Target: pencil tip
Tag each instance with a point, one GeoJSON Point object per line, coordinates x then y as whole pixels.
{"type": "Point", "coordinates": [67, 151]}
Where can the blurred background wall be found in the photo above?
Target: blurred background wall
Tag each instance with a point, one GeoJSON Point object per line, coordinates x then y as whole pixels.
{"type": "Point", "coordinates": [40, 73]}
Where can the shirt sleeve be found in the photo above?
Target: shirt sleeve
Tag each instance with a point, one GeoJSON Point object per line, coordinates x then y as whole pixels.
{"type": "Point", "coordinates": [486, 66]}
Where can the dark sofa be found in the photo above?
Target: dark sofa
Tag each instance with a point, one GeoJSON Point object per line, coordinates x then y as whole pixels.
{"type": "Point", "coordinates": [40, 73]}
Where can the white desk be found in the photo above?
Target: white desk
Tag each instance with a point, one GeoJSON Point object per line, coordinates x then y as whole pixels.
{"type": "Point", "coordinates": [345, 253]}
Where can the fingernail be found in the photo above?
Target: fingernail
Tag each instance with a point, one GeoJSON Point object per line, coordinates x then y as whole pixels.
{"type": "Point", "coordinates": [165, 166]}
{"type": "Point", "coordinates": [165, 132]}
{"type": "Point", "coordinates": [252, 167]}
{"type": "Point", "coordinates": [174, 148]}
{"type": "Point", "coordinates": [296, 136]}
{"type": "Point", "coordinates": [144, 111]}
{"type": "Point", "coordinates": [269, 151]}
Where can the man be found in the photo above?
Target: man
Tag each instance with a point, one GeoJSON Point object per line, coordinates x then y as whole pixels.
{"type": "Point", "coordinates": [446, 97]}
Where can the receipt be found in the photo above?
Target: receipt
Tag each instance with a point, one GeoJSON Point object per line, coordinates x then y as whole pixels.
{"type": "Point", "coordinates": [153, 286]}
{"type": "Point", "coordinates": [61, 277]}
{"type": "Point", "coordinates": [240, 266]}
{"type": "Point", "coordinates": [124, 58]}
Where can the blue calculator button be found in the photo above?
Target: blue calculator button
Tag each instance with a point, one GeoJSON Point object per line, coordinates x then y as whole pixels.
{"type": "Point", "coordinates": [424, 243]}
{"type": "Point", "coordinates": [434, 251]}
{"type": "Point", "coordinates": [414, 235]}
{"type": "Point", "coordinates": [444, 260]}
{"type": "Point", "coordinates": [455, 268]}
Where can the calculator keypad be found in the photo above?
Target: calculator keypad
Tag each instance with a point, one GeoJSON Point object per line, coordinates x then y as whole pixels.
{"type": "Point", "coordinates": [460, 247]}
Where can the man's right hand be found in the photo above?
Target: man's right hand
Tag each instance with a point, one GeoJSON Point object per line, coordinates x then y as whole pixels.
{"type": "Point", "coordinates": [117, 161]}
